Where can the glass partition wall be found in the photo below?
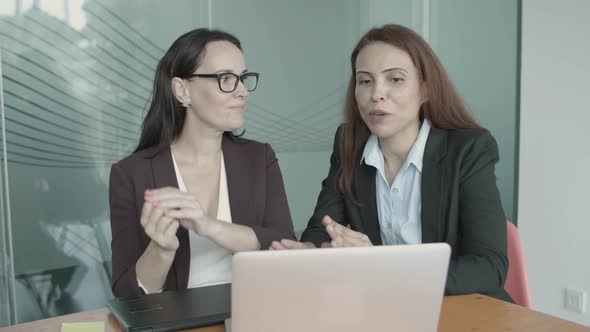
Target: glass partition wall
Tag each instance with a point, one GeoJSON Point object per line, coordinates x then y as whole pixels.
{"type": "Point", "coordinates": [77, 78]}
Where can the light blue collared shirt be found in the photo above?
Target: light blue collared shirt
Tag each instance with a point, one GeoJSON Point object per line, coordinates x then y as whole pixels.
{"type": "Point", "coordinates": [399, 206]}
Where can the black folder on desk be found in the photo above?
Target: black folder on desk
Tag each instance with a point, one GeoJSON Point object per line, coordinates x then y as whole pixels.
{"type": "Point", "coordinates": [175, 310]}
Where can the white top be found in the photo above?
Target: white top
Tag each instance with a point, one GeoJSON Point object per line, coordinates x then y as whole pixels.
{"type": "Point", "coordinates": [399, 206]}
{"type": "Point", "coordinates": [210, 264]}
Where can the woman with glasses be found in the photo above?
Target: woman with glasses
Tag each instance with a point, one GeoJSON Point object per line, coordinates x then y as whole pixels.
{"type": "Point", "coordinates": [193, 192]}
{"type": "Point", "coordinates": [411, 166]}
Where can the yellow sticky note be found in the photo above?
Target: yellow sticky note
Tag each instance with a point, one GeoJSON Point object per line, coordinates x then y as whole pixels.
{"type": "Point", "coordinates": [83, 327]}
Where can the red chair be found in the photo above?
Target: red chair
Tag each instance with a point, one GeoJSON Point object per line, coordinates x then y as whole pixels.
{"type": "Point", "coordinates": [517, 282]}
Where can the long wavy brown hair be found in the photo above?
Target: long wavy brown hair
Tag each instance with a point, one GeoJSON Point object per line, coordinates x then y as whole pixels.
{"type": "Point", "coordinates": [444, 107]}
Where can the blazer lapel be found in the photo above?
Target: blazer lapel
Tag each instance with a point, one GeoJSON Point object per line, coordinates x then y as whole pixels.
{"type": "Point", "coordinates": [164, 176]}
{"type": "Point", "coordinates": [432, 183]}
{"type": "Point", "coordinates": [163, 168]}
{"type": "Point", "coordinates": [239, 184]}
{"type": "Point", "coordinates": [366, 194]}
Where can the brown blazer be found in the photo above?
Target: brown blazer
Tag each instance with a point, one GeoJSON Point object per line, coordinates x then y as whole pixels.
{"type": "Point", "coordinates": [256, 194]}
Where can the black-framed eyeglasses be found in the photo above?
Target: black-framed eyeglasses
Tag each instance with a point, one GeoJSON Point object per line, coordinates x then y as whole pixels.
{"type": "Point", "coordinates": [228, 82]}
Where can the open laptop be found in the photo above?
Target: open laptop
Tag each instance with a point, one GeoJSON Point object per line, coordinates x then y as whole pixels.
{"type": "Point", "coordinates": [384, 288]}
{"type": "Point", "coordinates": [170, 311]}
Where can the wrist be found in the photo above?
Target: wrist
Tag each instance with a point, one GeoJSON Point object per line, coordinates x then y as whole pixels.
{"type": "Point", "coordinates": [162, 254]}
{"type": "Point", "coordinates": [213, 228]}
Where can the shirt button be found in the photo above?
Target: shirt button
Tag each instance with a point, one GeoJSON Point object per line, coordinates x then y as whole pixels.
{"type": "Point", "coordinates": [388, 225]}
{"type": "Point", "coordinates": [395, 190]}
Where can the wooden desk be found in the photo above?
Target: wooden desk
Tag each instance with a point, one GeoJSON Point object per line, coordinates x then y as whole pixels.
{"type": "Point", "coordinates": [459, 313]}
{"type": "Point", "coordinates": [485, 314]}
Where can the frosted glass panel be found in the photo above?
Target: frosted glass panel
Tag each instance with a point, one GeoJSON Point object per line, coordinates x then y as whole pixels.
{"type": "Point", "coordinates": [302, 49]}
{"type": "Point", "coordinates": [77, 79]}
{"type": "Point", "coordinates": [5, 275]}
{"type": "Point", "coordinates": [477, 40]}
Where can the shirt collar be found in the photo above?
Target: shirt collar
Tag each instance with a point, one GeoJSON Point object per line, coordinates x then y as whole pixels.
{"type": "Point", "coordinates": [373, 156]}
{"type": "Point", "coordinates": [416, 154]}
{"type": "Point", "coordinates": [372, 153]}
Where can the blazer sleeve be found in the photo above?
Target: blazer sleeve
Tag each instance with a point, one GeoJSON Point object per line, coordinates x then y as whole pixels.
{"type": "Point", "coordinates": [330, 202]}
{"type": "Point", "coordinates": [277, 223]}
{"type": "Point", "coordinates": [481, 264]}
{"type": "Point", "coordinates": [126, 241]}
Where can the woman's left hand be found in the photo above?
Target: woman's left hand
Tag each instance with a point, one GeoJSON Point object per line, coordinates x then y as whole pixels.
{"type": "Point", "coordinates": [185, 208]}
{"type": "Point", "coordinates": [343, 236]}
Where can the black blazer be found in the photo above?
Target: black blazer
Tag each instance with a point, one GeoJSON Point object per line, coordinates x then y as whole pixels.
{"type": "Point", "coordinates": [460, 206]}
{"type": "Point", "coordinates": [256, 195]}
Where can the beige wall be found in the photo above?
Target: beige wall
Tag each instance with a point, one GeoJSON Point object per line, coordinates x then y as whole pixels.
{"type": "Point", "coordinates": [554, 151]}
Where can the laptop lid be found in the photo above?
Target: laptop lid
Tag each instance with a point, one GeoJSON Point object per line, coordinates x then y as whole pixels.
{"type": "Point", "coordinates": [384, 288]}
{"type": "Point", "coordinates": [168, 311]}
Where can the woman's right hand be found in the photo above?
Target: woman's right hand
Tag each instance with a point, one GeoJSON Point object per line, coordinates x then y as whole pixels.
{"type": "Point", "coordinates": [159, 227]}
{"type": "Point", "coordinates": [286, 244]}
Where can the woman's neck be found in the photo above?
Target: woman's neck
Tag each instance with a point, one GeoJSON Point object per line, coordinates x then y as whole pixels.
{"type": "Point", "coordinates": [197, 142]}
{"type": "Point", "coordinates": [397, 147]}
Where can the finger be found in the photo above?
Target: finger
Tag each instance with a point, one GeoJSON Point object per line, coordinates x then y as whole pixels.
{"type": "Point", "coordinates": [276, 245]}
{"type": "Point", "coordinates": [163, 223]}
{"type": "Point", "coordinates": [185, 213]}
{"type": "Point", "coordinates": [164, 190]}
{"type": "Point", "coordinates": [349, 239]}
{"type": "Point", "coordinates": [355, 242]}
{"type": "Point", "coordinates": [290, 244]}
{"type": "Point", "coordinates": [333, 228]}
{"type": "Point", "coordinates": [179, 202]}
{"type": "Point", "coordinates": [326, 245]}
{"type": "Point", "coordinates": [326, 220]}
{"type": "Point", "coordinates": [167, 237]}
{"type": "Point", "coordinates": [145, 213]}
{"type": "Point", "coordinates": [337, 228]}
{"type": "Point", "coordinates": [152, 220]}
{"type": "Point", "coordinates": [337, 233]}
{"type": "Point", "coordinates": [364, 239]}
{"type": "Point", "coordinates": [147, 195]}
{"type": "Point", "coordinates": [168, 193]}
{"type": "Point", "coordinates": [345, 240]}
{"type": "Point", "coordinates": [172, 228]}
{"type": "Point", "coordinates": [185, 224]}
{"type": "Point", "coordinates": [347, 232]}
{"type": "Point", "coordinates": [337, 243]}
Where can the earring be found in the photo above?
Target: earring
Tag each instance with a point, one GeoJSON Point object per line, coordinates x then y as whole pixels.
{"type": "Point", "coordinates": [186, 104]}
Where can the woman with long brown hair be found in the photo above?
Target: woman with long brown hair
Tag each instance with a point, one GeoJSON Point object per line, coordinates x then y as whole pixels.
{"type": "Point", "coordinates": [411, 166]}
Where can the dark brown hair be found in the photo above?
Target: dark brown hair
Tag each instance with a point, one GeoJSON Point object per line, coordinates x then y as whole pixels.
{"type": "Point", "coordinates": [165, 118]}
{"type": "Point", "coordinates": [443, 108]}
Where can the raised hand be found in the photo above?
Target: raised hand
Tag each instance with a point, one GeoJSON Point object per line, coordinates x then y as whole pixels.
{"type": "Point", "coordinates": [160, 228]}
{"type": "Point", "coordinates": [343, 236]}
{"type": "Point", "coordinates": [185, 208]}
